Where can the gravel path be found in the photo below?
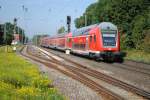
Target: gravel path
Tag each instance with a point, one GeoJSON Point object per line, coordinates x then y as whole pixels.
{"type": "Point", "coordinates": [67, 86]}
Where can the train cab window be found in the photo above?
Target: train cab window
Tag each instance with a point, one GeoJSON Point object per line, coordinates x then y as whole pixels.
{"type": "Point", "coordinates": [90, 38]}
{"type": "Point", "coordinates": [94, 38]}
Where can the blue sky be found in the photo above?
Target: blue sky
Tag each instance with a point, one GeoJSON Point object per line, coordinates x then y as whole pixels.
{"type": "Point", "coordinates": [43, 16]}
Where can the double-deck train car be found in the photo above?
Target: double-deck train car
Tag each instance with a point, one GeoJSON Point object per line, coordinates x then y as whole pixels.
{"type": "Point", "coordinates": [96, 41]}
{"type": "Point", "coordinates": [56, 41]}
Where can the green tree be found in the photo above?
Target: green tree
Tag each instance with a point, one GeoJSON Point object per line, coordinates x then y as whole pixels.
{"type": "Point", "coordinates": [1, 34]}
{"type": "Point", "coordinates": [80, 22]}
{"type": "Point", "coordinates": [131, 16]}
{"type": "Point", "coordinates": [61, 30]}
{"type": "Point", "coordinates": [8, 30]}
{"type": "Point", "coordinates": [146, 41]}
{"type": "Point", "coordinates": [36, 38]}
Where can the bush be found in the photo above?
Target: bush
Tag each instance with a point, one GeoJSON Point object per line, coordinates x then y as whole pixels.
{"type": "Point", "coordinates": [146, 44]}
{"type": "Point", "coordinates": [22, 80]}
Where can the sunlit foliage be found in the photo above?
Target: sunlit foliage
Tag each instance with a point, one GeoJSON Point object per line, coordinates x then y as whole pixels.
{"type": "Point", "coordinates": [131, 16]}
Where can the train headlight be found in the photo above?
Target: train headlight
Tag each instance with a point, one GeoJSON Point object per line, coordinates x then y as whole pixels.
{"type": "Point", "coordinates": [109, 48]}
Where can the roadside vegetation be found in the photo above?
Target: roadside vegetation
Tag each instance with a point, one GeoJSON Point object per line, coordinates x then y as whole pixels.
{"type": "Point", "coordinates": [137, 55]}
{"type": "Point", "coordinates": [21, 80]}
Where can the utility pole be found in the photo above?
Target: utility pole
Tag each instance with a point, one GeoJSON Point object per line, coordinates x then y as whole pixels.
{"type": "Point", "coordinates": [15, 42]}
{"type": "Point", "coordinates": [15, 24]}
{"type": "Point", "coordinates": [5, 33]}
{"type": "Point", "coordinates": [22, 38]}
{"type": "Point", "coordinates": [37, 40]}
{"type": "Point", "coordinates": [23, 32]}
{"type": "Point", "coordinates": [85, 19]}
{"type": "Point", "coordinates": [24, 11]}
{"type": "Point", "coordinates": [5, 37]}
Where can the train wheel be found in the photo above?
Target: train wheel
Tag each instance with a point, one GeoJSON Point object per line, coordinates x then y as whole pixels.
{"type": "Point", "coordinates": [120, 59]}
{"type": "Point", "coordinates": [108, 59]}
{"type": "Point", "coordinates": [91, 56]}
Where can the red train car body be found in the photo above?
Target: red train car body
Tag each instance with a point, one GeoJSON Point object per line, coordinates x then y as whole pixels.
{"type": "Point", "coordinates": [97, 41]}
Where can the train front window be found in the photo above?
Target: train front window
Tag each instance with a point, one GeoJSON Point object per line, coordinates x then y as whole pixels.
{"type": "Point", "coordinates": [109, 38]}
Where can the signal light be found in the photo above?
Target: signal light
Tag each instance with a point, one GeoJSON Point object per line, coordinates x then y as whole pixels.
{"type": "Point", "coordinates": [68, 19]}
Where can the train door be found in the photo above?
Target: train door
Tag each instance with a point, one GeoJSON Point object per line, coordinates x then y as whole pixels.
{"type": "Point", "coordinates": [92, 42]}
{"type": "Point", "coordinates": [87, 43]}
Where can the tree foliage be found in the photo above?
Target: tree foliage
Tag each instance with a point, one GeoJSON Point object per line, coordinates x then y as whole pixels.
{"type": "Point", "coordinates": [61, 30]}
{"type": "Point", "coordinates": [36, 38]}
{"type": "Point", "coordinates": [131, 16]}
{"type": "Point", "coordinates": [146, 42]}
{"type": "Point", "coordinates": [8, 29]}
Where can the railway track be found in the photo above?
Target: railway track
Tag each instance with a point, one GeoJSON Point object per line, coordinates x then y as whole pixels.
{"type": "Point", "coordinates": [141, 67]}
{"type": "Point", "coordinates": [138, 65]}
{"type": "Point", "coordinates": [72, 72]}
{"type": "Point", "coordinates": [145, 71]}
{"type": "Point", "coordinates": [107, 78]}
{"type": "Point", "coordinates": [132, 66]}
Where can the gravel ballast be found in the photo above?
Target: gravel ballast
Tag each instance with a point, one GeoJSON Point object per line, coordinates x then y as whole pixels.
{"type": "Point", "coordinates": [70, 88]}
{"type": "Point", "coordinates": [131, 77]}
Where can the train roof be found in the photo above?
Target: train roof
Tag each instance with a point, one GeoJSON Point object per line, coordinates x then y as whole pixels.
{"type": "Point", "coordinates": [61, 35]}
{"type": "Point", "coordinates": [83, 30]}
{"type": "Point", "coordinates": [107, 25]}
{"type": "Point", "coordinates": [58, 35]}
{"type": "Point", "coordinates": [102, 26]}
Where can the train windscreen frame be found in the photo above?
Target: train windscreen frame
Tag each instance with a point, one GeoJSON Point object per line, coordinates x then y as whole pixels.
{"type": "Point", "coordinates": [109, 38]}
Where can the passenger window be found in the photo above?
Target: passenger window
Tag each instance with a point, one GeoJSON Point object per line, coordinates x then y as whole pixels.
{"type": "Point", "coordinates": [90, 38]}
{"type": "Point", "coordinates": [94, 38]}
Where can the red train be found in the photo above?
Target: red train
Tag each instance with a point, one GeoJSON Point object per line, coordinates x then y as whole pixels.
{"type": "Point", "coordinates": [96, 41]}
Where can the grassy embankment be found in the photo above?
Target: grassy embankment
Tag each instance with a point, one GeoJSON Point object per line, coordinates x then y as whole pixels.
{"type": "Point", "coordinates": [22, 80]}
{"type": "Point", "coordinates": [137, 55]}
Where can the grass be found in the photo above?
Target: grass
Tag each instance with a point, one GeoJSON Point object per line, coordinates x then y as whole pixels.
{"type": "Point", "coordinates": [21, 80]}
{"type": "Point", "coordinates": [138, 55]}
{"type": "Point", "coordinates": [9, 49]}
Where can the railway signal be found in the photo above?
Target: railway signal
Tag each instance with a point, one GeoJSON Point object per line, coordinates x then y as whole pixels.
{"type": "Point", "coordinates": [68, 22]}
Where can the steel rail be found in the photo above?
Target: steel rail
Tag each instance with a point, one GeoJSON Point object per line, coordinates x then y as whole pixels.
{"type": "Point", "coordinates": [108, 79]}
{"type": "Point", "coordinates": [105, 93]}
